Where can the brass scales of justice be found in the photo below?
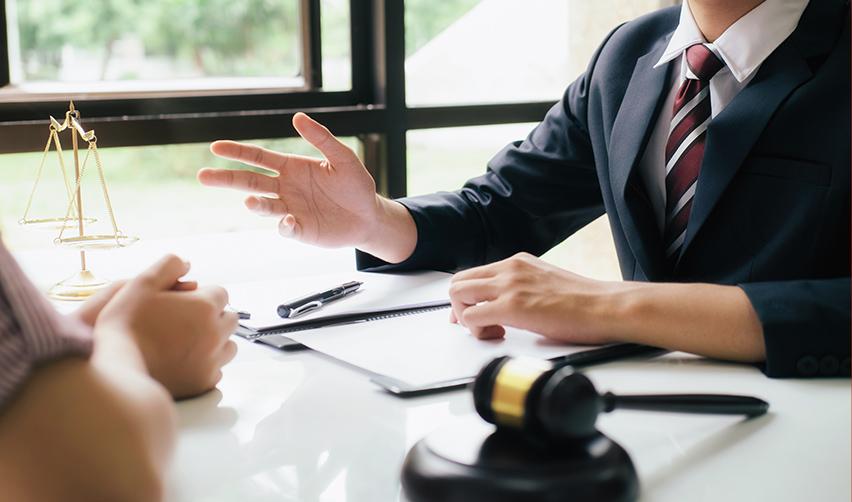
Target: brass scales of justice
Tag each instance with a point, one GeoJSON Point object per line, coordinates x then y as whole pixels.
{"type": "Point", "coordinates": [84, 283]}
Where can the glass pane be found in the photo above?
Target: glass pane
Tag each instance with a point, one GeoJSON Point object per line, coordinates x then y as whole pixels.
{"type": "Point", "coordinates": [487, 51]}
{"type": "Point", "coordinates": [336, 45]}
{"type": "Point", "coordinates": [153, 191]}
{"type": "Point", "coordinates": [134, 44]}
{"type": "Point", "coordinates": [443, 159]}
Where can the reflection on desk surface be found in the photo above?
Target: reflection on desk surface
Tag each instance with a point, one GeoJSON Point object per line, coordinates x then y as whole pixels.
{"type": "Point", "coordinates": [298, 426]}
{"type": "Point", "coordinates": [305, 430]}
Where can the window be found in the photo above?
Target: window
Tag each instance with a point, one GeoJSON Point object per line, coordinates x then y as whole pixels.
{"type": "Point", "coordinates": [336, 50]}
{"type": "Point", "coordinates": [491, 51]}
{"type": "Point", "coordinates": [129, 45]}
{"type": "Point", "coordinates": [420, 87]}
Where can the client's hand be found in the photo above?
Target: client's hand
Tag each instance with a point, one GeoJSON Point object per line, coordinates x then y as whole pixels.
{"type": "Point", "coordinates": [181, 331]}
{"type": "Point", "coordinates": [90, 310]}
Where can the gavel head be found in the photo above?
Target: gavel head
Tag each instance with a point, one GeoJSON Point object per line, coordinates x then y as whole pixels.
{"type": "Point", "coordinates": [547, 403]}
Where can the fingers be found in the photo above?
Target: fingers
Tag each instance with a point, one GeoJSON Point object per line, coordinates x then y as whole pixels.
{"type": "Point", "coordinates": [483, 272]}
{"type": "Point", "coordinates": [238, 180]}
{"type": "Point", "coordinates": [485, 315]}
{"type": "Point", "coordinates": [228, 323]}
{"type": "Point", "coordinates": [215, 295]}
{"type": "Point", "coordinates": [473, 291]}
{"type": "Point", "coordinates": [464, 294]}
{"type": "Point", "coordinates": [185, 286]}
{"type": "Point", "coordinates": [227, 354]}
{"type": "Point", "coordinates": [317, 135]}
{"type": "Point", "coordinates": [289, 227]}
{"type": "Point", "coordinates": [224, 355]}
{"type": "Point", "coordinates": [88, 312]}
{"type": "Point", "coordinates": [492, 332]}
{"type": "Point", "coordinates": [483, 333]}
{"type": "Point", "coordinates": [252, 155]}
{"type": "Point", "coordinates": [266, 206]}
{"type": "Point", "coordinates": [165, 273]}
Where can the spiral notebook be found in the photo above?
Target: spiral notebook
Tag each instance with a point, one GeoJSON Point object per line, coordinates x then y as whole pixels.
{"type": "Point", "coordinates": [382, 295]}
{"type": "Point", "coordinates": [352, 317]}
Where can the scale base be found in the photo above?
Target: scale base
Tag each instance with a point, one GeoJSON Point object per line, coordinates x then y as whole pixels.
{"type": "Point", "coordinates": [471, 462]}
{"type": "Point", "coordinates": [78, 287]}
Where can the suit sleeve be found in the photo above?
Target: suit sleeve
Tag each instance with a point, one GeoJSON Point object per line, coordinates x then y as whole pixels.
{"type": "Point", "coordinates": [806, 326]}
{"type": "Point", "coordinates": [534, 194]}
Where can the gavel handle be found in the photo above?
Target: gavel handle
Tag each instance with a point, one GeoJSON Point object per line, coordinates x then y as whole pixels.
{"type": "Point", "coordinates": [713, 404]}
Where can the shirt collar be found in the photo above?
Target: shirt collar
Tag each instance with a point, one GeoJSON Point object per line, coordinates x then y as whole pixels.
{"type": "Point", "coordinates": [745, 44]}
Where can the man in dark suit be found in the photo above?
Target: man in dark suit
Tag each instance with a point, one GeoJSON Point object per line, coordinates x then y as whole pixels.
{"type": "Point", "coordinates": [716, 138]}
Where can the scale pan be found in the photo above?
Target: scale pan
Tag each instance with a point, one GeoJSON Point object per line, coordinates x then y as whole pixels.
{"type": "Point", "coordinates": [54, 223]}
{"type": "Point", "coordinates": [104, 241]}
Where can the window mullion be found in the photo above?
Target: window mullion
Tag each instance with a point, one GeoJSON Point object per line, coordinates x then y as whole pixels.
{"type": "Point", "coordinates": [311, 28]}
{"type": "Point", "coordinates": [4, 43]}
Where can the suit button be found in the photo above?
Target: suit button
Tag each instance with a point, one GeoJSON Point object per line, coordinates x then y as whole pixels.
{"type": "Point", "coordinates": [845, 366]}
{"type": "Point", "coordinates": [808, 366]}
{"type": "Point", "coordinates": [828, 365]}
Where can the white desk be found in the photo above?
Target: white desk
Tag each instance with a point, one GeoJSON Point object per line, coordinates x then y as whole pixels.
{"type": "Point", "coordinates": [297, 426]}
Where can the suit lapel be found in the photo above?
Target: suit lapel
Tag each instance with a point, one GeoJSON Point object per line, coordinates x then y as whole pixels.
{"type": "Point", "coordinates": [631, 129]}
{"type": "Point", "coordinates": [732, 134]}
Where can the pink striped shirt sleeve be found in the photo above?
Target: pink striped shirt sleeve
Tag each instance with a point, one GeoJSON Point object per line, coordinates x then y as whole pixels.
{"type": "Point", "coordinates": [31, 331]}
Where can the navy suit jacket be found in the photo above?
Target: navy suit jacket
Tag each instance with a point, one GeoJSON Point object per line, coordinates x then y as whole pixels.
{"type": "Point", "coordinates": [771, 211]}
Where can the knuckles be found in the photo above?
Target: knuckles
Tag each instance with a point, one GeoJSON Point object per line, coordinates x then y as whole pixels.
{"type": "Point", "coordinates": [519, 262]}
{"type": "Point", "coordinates": [523, 257]}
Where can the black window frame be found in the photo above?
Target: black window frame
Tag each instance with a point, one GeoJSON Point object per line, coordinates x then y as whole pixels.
{"type": "Point", "coordinates": [374, 109]}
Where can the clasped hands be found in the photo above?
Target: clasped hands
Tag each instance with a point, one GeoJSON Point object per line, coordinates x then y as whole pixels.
{"type": "Point", "coordinates": [177, 331]}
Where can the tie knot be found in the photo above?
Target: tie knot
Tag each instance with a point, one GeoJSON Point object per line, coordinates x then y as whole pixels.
{"type": "Point", "coordinates": [703, 63]}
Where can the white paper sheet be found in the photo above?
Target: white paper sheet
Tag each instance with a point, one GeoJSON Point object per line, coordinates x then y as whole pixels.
{"type": "Point", "coordinates": [417, 349]}
{"type": "Point", "coordinates": [422, 348]}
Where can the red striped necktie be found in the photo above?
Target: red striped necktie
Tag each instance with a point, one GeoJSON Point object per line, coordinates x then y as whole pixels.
{"type": "Point", "coordinates": [685, 146]}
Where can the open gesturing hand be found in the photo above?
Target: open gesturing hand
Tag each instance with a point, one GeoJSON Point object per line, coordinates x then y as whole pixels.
{"type": "Point", "coordinates": [327, 202]}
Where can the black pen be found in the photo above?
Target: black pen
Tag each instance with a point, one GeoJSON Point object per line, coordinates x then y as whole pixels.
{"type": "Point", "coordinates": [310, 303]}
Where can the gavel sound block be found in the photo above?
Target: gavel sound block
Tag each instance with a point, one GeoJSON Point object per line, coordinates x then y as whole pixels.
{"type": "Point", "coordinates": [543, 444]}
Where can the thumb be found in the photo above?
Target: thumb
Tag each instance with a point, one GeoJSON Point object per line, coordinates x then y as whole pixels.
{"type": "Point", "coordinates": [165, 273]}
{"type": "Point", "coordinates": [318, 135]}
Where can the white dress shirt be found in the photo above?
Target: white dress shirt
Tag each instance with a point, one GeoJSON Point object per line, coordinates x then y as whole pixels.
{"type": "Point", "coordinates": [743, 47]}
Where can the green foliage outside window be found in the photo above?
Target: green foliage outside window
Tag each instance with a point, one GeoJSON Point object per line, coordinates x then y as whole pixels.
{"type": "Point", "coordinates": [204, 37]}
